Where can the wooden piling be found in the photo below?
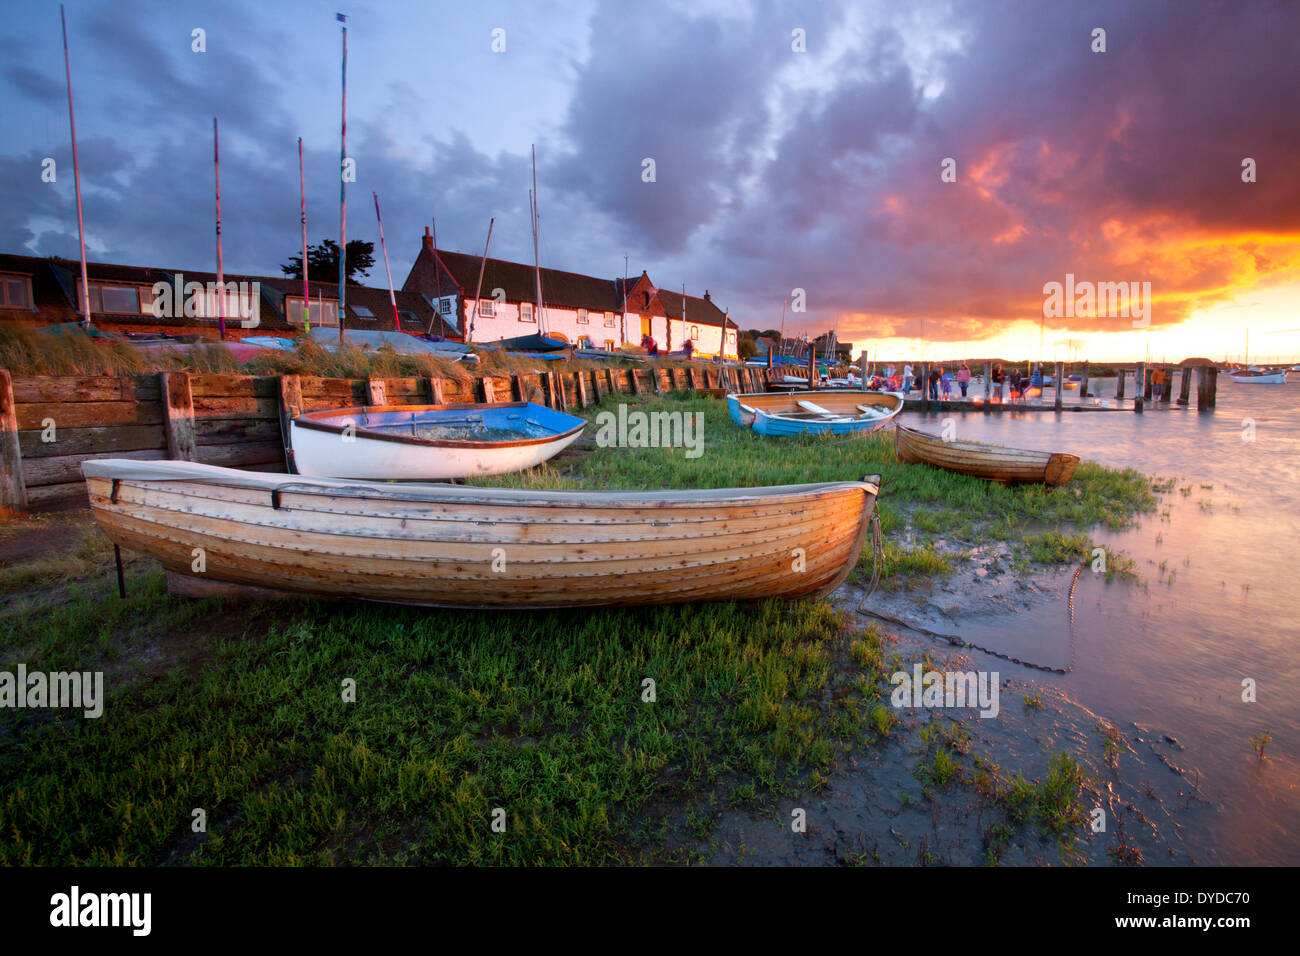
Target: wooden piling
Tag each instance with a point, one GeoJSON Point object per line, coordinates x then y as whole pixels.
{"type": "Point", "coordinates": [1140, 394]}
{"type": "Point", "coordinates": [1185, 387]}
{"type": "Point", "coordinates": [988, 382]}
{"type": "Point", "coordinates": [925, 386]}
{"type": "Point", "coordinates": [489, 390]}
{"type": "Point", "coordinates": [1213, 387]}
{"type": "Point", "coordinates": [436, 396]}
{"type": "Point", "coordinates": [13, 492]}
{"type": "Point", "coordinates": [290, 389]}
{"type": "Point", "coordinates": [517, 389]}
{"type": "Point", "coordinates": [1060, 386]}
{"type": "Point", "coordinates": [178, 416]}
{"type": "Point", "coordinates": [376, 393]}
{"type": "Point", "coordinates": [582, 389]}
{"type": "Point", "coordinates": [1119, 383]}
{"type": "Point", "coordinates": [1083, 380]}
{"type": "Point", "coordinates": [1146, 381]}
{"type": "Point", "coordinates": [636, 381]}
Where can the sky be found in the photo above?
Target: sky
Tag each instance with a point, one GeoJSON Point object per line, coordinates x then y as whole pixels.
{"type": "Point", "coordinates": [799, 154]}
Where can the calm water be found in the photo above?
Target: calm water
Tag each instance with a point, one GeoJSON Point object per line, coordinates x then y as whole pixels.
{"type": "Point", "coordinates": [1171, 656]}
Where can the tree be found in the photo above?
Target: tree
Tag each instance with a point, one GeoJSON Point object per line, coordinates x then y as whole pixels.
{"type": "Point", "coordinates": [324, 261]}
{"type": "Point", "coordinates": [746, 348]}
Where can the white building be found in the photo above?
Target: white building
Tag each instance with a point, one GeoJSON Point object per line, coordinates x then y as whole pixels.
{"type": "Point", "coordinates": [606, 313]}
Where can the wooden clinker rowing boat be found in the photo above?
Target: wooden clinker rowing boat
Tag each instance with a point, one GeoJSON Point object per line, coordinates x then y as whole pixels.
{"type": "Point", "coordinates": [460, 546]}
{"type": "Point", "coordinates": [994, 462]}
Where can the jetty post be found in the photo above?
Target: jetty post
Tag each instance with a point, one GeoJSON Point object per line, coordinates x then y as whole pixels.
{"type": "Point", "coordinates": [1083, 380]}
{"type": "Point", "coordinates": [13, 492]}
{"type": "Point", "coordinates": [1146, 381]}
{"type": "Point", "coordinates": [1185, 387]}
{"type": "Point", "coordinates": [1140, 376]}
{"type": "Point", "coordinates": [988, 381]}
{"type": "Point", "coordinates": [1060, 383]}
{"type": "Point", "coordinates": [1122, 373]}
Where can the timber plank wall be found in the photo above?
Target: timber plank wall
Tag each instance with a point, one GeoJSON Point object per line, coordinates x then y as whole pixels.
{"type": "Point", "coordinates": [50, 424]}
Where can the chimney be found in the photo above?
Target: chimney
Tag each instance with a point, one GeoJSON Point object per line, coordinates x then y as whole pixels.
{"type": "Point", "coordinates": [706, 296]}
{"type": "Point", "coordinates": [428, 239]}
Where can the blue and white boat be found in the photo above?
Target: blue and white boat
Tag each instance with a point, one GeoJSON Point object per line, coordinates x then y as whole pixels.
{"type": "Point", "coordinates": [817, 412]}
{"type": "Point", "coordinates": [429, 442]}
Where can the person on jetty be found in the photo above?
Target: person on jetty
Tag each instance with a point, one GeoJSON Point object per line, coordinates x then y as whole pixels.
{"type": "Point", "coordinates": [1157, 383]}
{"type": "Point", "coordinates": [963, 378]}
{"type": "Point", "coordinates": [945, 383]}
{"type": "Point", "coordinates": [935, 374]}
{"type": "Point", "coordinates": [999, 382]}
{"type": "Point", "coordinates": [907, 379]}
{"type": "Point", "coordinates": [1036, 379]}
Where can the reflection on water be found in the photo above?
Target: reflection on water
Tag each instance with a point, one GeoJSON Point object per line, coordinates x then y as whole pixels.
{"type": "Point", "coordinates": [1220, 601]}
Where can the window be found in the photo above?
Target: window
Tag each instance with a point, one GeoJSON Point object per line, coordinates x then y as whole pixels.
{"type": "Point", "coordinates": [582, 317]}
{"type": "Point", "coordinates": [487, 307]}
{"type": "Point", "coordinates": [15, 292]}
{"type": "Point", "coordinates": [241, 302]}
{"type": "Point", "coordinates": [362, 312]}
{"type": "Point", "coordinates": [609, 320]}
{"type": "Point", "coordinates": [526, 312]}
{"type": "Point", "coordinates": [322, 312]}
{"type": "Point", "coordinates": [695, 333]}
{"type": "Point", "coordinates": [731, 338]}
{"type": "Point", "coordinates": [444, 305]}
{"type": "Point", "coordinates": [118, 299]}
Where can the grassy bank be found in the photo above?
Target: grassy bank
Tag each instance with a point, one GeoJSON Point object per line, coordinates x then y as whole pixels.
{"type": "Point", "coordinates": [240, 710]}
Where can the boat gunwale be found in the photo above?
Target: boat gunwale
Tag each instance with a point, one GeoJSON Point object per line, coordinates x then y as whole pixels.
{"type": "Point", "coordinates": [310, 420]}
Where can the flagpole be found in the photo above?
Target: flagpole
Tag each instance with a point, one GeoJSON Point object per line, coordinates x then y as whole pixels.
{"type": "Point", "coordinates": [221, 276]}
{"type": "Point", "coordinates": [392, 297]}
{"type": "Point", "coordinates": [306, 293]}
{"type": "Point", "coordinates": [76, 176]}
{"type": "Point", "coordinates": [343, 191]}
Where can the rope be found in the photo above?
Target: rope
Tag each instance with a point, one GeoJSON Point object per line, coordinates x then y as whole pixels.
{"type": "Point", "coordinates": [957, 641]}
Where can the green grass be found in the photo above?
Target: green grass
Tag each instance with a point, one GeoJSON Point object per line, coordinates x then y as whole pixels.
{"type": "Point", "coordinates": [456, 714]}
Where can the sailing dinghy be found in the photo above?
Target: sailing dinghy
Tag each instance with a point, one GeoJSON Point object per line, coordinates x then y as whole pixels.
{"type": "Point", "coordinates": [429, 442]}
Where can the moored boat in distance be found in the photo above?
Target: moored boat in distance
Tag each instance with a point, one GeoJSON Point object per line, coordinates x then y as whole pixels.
{"type": "Point", "coordinates": [818, 412]}
{"type": "Point", "coordinates": [994, 462]}
{"type": "Point", "coordinates": [464, 546]}
{"type": "Point", "coordinates": [429, 442]}
{"type": "Point", "coordinates": [1259, 376]}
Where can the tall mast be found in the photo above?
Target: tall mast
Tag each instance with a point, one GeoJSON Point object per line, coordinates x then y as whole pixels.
{"type": "Point", "coordinates": [306, 294]}
{"type": "Point", "coordinates": [537, 244]}
{"type": "Point", "coordinates": [221, 275]}
{"type": "Point", "coordinates": [343, 189]}
{"type": "Point", "coordinates": [780, 344]}
{"type": "Point", "coordinates": [76, 176]}
{"type": "Point", "coordinates": [392, 297]}
{"type": "Point", "coordinates": [478, 289]}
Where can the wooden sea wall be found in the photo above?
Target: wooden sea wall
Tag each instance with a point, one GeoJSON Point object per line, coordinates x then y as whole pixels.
{"type": "Point", "coordinates": [49, 424]}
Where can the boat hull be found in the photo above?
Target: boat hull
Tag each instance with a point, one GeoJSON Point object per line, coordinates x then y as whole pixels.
{"type": "Point", "coordinates": [744, 409]}
{"type": "Point", "coordinates": [460, 546]}
{"type": "Point", "coordinates": [375, 447]}
{"type": "Point", "coordinates": [993, 462]}
{"type": "Point", "coordinates": [1264, 378]}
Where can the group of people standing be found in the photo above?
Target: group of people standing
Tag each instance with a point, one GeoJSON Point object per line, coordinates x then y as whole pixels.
{"type": "Point", "coordinates": [1007, 386]}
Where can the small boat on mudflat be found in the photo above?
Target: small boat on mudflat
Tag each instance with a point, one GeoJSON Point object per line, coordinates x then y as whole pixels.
{"type": "Point", "coordinates": [817, 412]}
{"type": "Point", "coordinates": [464, 546]}
{"type": "Point", "coordinates": [429, 442]}
{"type": "Point", "coordinates": [1259, 377]}
{"type": "Point", "coordinates": [994, 462]}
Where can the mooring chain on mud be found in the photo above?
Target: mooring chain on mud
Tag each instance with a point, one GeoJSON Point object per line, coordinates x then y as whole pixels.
{"type": "Point", "coordinates": [957, 641]}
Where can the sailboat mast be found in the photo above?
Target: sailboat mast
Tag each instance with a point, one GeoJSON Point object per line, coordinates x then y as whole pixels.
{"type": "Point", "coordinates": [537, 244]}
{"type": "Point", "coordinates": [76, 176]}
{"type": "Point", "coordinates": [306, 291]}
{"type": "Point", "coordinates": [343, 192]}
{"type": "Point", "coordinates": [781, 344]}
{"type": "Point", "coordinates": [478, 289]}
{"type": "Point", "coordinates": [392, 296]}
{"type": "Point", "coordinates": [221, 275]}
